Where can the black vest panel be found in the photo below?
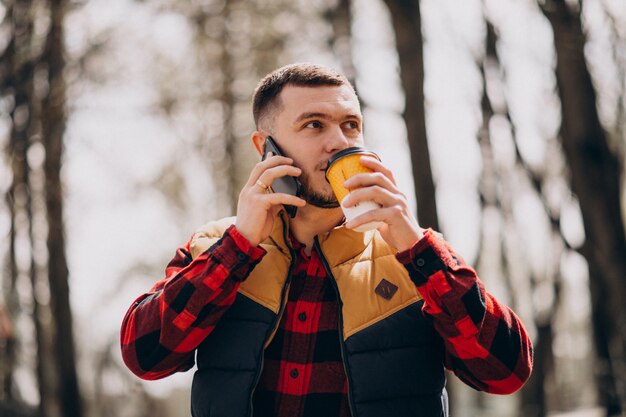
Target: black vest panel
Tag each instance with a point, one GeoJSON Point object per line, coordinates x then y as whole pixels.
{"type": "Point", "coordinates": [229, 361]}
{"type": "Point", "coordinates": [396, 367]}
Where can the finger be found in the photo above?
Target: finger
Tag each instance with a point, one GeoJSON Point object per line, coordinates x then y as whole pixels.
{"type": "Point", "coordinates": [386, 215]}
{"type": "Point", "coordinates": [377, 166]}
{"type": "Point", "coordinates": [271, 174]}
{"type": "Point", "coordinates": [275, 209]}
{"type": "Point", "coordinates": [282, 198]}
{"type": "Point", "coordinates": [264, 165]}
{"type": "Point", "coordinates": [375, 193]}
{"type": "Point", "coordinates": [369, 179]}
{"type": "Point", "coordinates": [264, 187]}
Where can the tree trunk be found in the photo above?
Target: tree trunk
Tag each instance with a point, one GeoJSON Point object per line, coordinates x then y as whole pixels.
{"type": "Point", "coordinates": [595, 179]}
{"type": "Point", "coordinates": [534, 402]}
{"type": "Point", "coordinates": [405, 16]}
{"type": "Point", "coordinates": [223, 147]}
{"type": "Point", "coordinates": [53, 127]}
{"type": "Point", "coordinates": [19, 63]}
{"type": "Point", "coordinates": [340, 18]}
{"type": "Point", "coordinates": [228, 101]}
{"type": "Point", "coordinates": [7, 360]}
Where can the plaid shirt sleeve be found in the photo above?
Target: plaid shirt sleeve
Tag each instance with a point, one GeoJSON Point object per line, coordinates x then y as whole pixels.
{"type": "Point", "coordinates": [164, 326]}
{"type": "Point", "coordinates": [486, 344]}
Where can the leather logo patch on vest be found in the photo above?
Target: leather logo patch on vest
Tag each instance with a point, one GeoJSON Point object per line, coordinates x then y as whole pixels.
{"type": "Point", "coordinates": [386, 289]}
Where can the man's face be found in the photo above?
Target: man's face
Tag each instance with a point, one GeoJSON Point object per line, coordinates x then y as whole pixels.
{"type": "Point", "coordinates": [313, 124]}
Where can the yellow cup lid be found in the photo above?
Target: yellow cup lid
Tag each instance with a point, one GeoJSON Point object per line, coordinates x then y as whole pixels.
{"type": "Point", "coordinates": [347, 152]}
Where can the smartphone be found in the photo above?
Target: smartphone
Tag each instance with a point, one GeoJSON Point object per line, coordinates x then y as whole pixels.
{"type": "Point", "coordinates": [287, 184]}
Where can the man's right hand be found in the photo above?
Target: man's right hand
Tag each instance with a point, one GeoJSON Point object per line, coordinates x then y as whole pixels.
{"type": "Point", "coordinates": [258, 206]}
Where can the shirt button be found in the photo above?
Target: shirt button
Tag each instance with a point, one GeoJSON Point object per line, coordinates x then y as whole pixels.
{"type": "Point", "coordinates": [241, 256]}
{"type": "Point", "coordinates": [420, 262]}
{"type": "Point", "coordinates": [302, 316]}
{"type": "Point", "coordinates": [294, 373]}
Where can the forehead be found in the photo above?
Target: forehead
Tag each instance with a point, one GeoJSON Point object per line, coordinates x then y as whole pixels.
{"type": "Point", "coordinates": [332, 100]}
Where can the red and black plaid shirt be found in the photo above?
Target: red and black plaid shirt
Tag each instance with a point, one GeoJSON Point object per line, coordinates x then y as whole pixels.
{"type": "Point", "coordinates": [303, 374]}
{"type": "Point", "coordinates": [486, 344]}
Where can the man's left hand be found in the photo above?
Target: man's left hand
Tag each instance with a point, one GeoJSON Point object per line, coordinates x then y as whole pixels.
{"type": "Point", "coordinates": [400, 228]}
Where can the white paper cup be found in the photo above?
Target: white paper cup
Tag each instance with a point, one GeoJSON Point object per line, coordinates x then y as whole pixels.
{"type": "Point", "coordinates": [361, 208]}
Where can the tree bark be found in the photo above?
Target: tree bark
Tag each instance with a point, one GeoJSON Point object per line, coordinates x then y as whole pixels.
{"type": "Point", "coordinates": [17, 82]}
{"type": "Point", "coordinates": [228, 101]}
{"type": "Point", "coordinates": [340, 18]}
{"type": "Point", "coordinates": [406, 20]}
{"type": "Point", "coordinates": [53, 127]}
{"type": "Point", "coordinates": [595, 178]}
{"type": "Point", "coordinates": [534, 401]}
{"type": "Point", "coordinates": [223, 146]}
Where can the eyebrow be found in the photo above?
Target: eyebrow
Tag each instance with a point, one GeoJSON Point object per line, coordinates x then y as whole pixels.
{"type": "Point", "coordinates": [325, 116]}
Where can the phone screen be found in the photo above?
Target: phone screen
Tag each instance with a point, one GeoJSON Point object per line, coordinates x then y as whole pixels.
{"type": "Point", "coordinates": [287, 184]}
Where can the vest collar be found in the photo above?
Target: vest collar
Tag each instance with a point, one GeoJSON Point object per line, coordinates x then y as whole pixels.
{"type": "Point", "coordinates": [342, 244]}
{"type": "Point", "coordinates": [338, 245]}
{"type": "Point", "coordinates": [279, 235]}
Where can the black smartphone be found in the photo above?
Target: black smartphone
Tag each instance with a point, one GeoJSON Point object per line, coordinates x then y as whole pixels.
{"type": "Point", "coordinates": [287, 184]}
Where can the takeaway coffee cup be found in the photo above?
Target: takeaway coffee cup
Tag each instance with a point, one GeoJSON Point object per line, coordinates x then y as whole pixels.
{"type": "Point", "coordinates": [341, 166]}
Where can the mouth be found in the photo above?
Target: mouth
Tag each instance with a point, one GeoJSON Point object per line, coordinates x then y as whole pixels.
{"type": "Point", "coordinates": [324, 166]}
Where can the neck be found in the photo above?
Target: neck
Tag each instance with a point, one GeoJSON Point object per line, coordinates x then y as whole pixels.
{"type": "Point", "coordinates": [312, 221]}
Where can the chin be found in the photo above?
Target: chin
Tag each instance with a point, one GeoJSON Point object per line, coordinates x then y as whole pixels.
{"type": "Point", "coordinates": [318, 194]}
{"type": "Point", "coordinates": [321, 200]}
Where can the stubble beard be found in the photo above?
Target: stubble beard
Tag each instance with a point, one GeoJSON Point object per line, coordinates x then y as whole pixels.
{"type": "Point", "coordinates": [316, 198]}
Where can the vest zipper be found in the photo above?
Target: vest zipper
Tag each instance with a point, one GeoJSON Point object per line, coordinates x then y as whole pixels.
{"type": "Point", "coordinates": [340, 315]}
{"type": "Point", "coordinates": [276, 321]}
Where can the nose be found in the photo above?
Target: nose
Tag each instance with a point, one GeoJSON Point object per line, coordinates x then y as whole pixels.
{"type": "Point", "coordinates": [336, 140]}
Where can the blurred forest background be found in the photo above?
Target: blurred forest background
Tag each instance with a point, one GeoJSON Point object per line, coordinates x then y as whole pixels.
{"type": "Point", "coordinates": [124, 124]}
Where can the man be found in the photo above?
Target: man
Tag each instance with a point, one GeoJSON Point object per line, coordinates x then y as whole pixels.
{"type": "Point", "coordinates": [304, 316]}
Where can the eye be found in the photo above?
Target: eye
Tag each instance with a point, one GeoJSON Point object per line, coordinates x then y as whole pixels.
{"type": "Point", "coordinates": [352, 124]}
{"type": "Point", "coordinates": [313, 125]}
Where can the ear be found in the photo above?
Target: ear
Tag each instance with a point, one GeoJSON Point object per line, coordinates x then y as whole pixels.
{"type": "Point", "coordinates": [258, 141]}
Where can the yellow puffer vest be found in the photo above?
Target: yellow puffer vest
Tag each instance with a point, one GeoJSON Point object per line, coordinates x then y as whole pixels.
{"type": "Point", "coordinates": [392, 355]}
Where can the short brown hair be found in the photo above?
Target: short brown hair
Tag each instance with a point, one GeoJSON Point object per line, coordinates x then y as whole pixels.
{"type": "Point", "coordinates": [265, 99]}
